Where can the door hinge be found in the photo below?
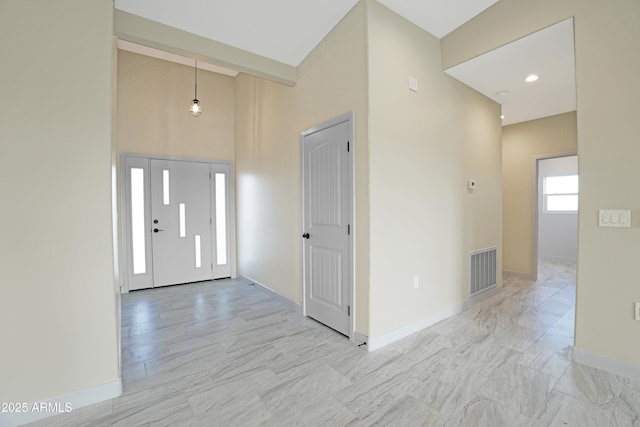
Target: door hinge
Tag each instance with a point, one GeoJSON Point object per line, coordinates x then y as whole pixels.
{"type": "Point", "coordinates": [348, 228]}
{"type": "Point", "coordinates": [211, 267]}
{"type": "Point", "coordinates": [209, 176]}
{"type": "Point", "coordinates": [348, 142]}
{"type": "Point", "coordinates": [348, 310]}
{"type": "Point", "coordinates": [210, 221]}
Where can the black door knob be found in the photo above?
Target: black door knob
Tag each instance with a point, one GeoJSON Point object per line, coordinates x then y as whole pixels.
{"type": "Point", "coordinates": [305, 235]}
{"type": "Point", "coordinates": [155, 230]}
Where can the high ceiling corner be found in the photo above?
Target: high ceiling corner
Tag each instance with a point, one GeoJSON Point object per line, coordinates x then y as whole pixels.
{"type": "Point", "coordinates": [438, 17]}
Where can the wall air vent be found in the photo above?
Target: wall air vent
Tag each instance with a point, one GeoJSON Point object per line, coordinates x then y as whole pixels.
{"type": "Point", "coordinates": [482, 270]}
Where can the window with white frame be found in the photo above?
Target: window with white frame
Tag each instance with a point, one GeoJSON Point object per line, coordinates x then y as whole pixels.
{"type": "Point", "coordinates": [560, 194]}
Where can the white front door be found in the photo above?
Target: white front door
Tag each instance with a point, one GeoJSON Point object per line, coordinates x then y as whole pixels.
{"type": "Point", "coordinates": [326, 228]}
{"type": "Point", "coordinates": [178, 221]}
{"type": "Point", "coordinates": [181, 222]}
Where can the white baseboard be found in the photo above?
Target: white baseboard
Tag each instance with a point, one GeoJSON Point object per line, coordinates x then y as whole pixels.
{"type": "Point", "coordinates": [397, 334]}
{"type": "Point", "coordinates": [561, 260]}
{"type": "Point", "coordinates": [518, 274]}
{"type": "Point", "coordinates": [68, 403]}
{"type": "Point", "coordinates": [606, 363]}
{"type": "Point", "coordinates": [378, 342]}
{"type": "Point", "coordinates": [273, 293]}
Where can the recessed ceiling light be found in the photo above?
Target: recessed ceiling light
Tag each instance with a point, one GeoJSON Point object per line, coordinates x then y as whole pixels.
{"type": "Point", "coordinates": [531, 78]}
{"type": "Point", "coordinates": [502, 93]}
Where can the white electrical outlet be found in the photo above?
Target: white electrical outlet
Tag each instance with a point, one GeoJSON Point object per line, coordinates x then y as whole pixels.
{"type": "Point", "coordinates": [416, 281]}
{"type": "Point", "coordinates": [638, 311]}
{"type": "Point", "coordinates": [413, 84]}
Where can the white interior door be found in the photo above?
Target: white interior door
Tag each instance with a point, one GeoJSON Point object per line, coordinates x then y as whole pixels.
{"type": "Point", "coordinates": [326, 213]}
{"type": "Point", "coordinates": [181, 222]}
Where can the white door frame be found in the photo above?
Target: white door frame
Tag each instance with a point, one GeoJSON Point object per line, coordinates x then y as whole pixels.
{"type": "Point", "coordinates": [349, 118]}
{"type": "Point", "coordinates": [124, 221]}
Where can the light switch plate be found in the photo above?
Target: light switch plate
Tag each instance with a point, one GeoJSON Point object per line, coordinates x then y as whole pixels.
{"type": "Point", "coordinates": [614, 218]}
{"type": "Point", "coordinates": [638, 311]}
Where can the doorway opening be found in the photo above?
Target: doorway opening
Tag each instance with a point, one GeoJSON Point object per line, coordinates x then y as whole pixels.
{"type": "Point", "coordinates": [557, 209]}
{"type": "Point", "coordinates": [556, 241]}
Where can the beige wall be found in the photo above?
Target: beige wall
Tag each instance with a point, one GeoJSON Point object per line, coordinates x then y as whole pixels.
{"type": "Point", "coordinates": [269, 119]}
{"type": "Point", "coordinates": [57, 293]}
{"type": "Point", "coordinates": [153, 99]}
{"type": "Point", "coordinates": [607, 40]}
{"type": "Point", "coordinates": [267, 185]}
{"type": "Point", "coordinates": [522, 143]}
{"type": "Point", "coordinates": [423, 147]}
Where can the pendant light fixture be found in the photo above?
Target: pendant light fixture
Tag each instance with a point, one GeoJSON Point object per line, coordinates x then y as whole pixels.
{"type": "Point", "coordinates": [195, 108]}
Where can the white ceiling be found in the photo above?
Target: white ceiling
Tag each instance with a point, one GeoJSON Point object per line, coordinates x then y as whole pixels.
{"type": "Point", "coordinates": [548, 53]}
{"type": "Point", "coordinates": [439, 17]}
{"type": "Point", "coordinates": [288, 30]}
{"type": "Point", "coordinates": [283, 30]}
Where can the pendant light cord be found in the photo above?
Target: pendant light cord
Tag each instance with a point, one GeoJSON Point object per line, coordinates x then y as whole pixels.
{"type": "Point", "coordinates": [196, 86]}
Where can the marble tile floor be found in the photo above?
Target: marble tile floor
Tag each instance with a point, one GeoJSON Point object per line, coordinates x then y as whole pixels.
{"type": "Point", "coordinates": [227, 353]}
